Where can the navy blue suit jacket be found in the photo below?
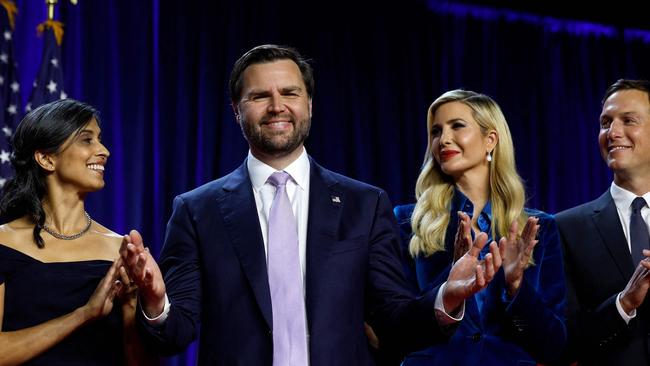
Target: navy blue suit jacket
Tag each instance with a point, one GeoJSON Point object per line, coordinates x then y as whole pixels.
{"type": "Point", "coordinates": [525, 330]}
{"type": "Point", "coordinates": [598, 267]}
{"type": "Point", "coordinates": [214, 267]}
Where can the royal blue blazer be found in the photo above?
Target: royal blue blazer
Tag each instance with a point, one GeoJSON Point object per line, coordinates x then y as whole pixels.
{"type": "Point", "coordinates": [525, 330]}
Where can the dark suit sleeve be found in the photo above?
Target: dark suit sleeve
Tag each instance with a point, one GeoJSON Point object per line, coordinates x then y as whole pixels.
{"type": "Point", "coordinates": [594, 326]}
{"type": "Point", "coordinates": [401, 320]}
{"type": "Point", "coordinates": [179, 265]}
{"type": "Point", "coordinates": [592, 331]}
{"type": "Point", "coordinates": [535, 317]}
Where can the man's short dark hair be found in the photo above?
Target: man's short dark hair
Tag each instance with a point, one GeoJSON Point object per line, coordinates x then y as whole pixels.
{"type": "Point", "coordinates": [268, 53]}
{"type": "Point", "coordinates": [627, 84]}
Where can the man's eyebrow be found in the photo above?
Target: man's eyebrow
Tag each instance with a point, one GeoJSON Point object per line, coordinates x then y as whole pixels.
{"type": "Point", "coordinates": [291, 88]}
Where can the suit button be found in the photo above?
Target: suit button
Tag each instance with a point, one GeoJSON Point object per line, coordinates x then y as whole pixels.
{"type": "Point", "coordinates": [476, 337]}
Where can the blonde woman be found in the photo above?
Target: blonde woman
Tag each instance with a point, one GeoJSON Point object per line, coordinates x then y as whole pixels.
{"type": "Point", "coordinates": [469, 185]}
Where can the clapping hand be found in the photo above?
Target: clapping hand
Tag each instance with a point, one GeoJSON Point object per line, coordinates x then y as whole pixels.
{"type": "Point", "coordinates": [637, 287]}
{"type": "Point", "coordinates": [468, 274]}
{"type": "Point", "coordinates": [144, 272]}
{"type": "Point", "coordinates": [100, 303]}
{"type": "Point", "coordinates": [516, 252]}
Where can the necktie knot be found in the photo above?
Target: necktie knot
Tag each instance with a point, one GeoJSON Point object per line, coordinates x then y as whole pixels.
{"type": "Point", "coordinates": [278, 179]}
{"type": "Point", "coordinates": [638, 204]}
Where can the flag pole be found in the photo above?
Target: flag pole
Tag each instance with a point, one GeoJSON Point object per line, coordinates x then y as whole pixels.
{"type": "Point", "coordinates": [50, 7]}
{"type": "Point", "coordinates": [48, 85]}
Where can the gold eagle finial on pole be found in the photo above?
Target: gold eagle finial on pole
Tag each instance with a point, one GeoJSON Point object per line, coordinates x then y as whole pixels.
{"type": "Point", "coordinates": [12, 10]}
{"type": "Point", "coordinates": [56, 26]}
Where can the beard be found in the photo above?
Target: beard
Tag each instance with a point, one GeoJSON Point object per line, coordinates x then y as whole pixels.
{"type": "Point", "coordinates": [275, 143]}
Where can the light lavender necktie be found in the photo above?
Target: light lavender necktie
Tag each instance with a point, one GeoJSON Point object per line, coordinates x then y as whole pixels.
{"type": "Point", "coordinates": [285, 279]}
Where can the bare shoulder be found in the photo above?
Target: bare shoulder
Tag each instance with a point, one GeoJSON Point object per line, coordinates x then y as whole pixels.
{"type": "Point", "coordinates": [17, 234]}
{"type": "Point", "coordinates": [108, 236]}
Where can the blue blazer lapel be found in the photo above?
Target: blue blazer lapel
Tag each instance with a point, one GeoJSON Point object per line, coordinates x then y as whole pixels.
{"type": "Point", "coordinates": [608, 224]}
{"type": "Point", "coordinates": [237, 205]}
{"type": "Point", "coordinates": [326, 202]}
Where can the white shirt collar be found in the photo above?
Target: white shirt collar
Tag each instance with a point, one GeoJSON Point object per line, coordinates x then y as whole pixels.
{"type": "Point", "coordinates": [259, 171]}
{"type": "Point", "coordinates": [623, 198]}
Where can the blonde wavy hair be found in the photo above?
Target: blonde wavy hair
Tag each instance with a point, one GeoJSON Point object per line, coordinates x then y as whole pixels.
{"type": "Point", "coordinates": [434, 189]}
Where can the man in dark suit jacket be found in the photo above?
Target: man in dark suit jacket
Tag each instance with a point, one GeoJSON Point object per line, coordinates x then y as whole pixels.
{"type": "Point", "coordinates": [215, 255]}
{"type": "Point", "coordinates": [608, 313]}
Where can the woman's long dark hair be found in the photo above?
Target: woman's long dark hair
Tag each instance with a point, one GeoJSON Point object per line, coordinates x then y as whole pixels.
{"type": "Point", "coordinates": [44, 129]}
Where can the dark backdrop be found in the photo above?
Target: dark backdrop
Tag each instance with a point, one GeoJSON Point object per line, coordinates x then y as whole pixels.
{"type": "Point", "coordinates": [157, 70]}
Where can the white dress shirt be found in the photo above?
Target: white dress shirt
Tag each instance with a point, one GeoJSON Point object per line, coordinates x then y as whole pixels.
{"type": "Point", "coordinates": [623, 200]}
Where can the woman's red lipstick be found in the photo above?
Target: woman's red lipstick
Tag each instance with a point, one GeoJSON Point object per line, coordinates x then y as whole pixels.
{"type": "Point", "coordinates": [448, 154]}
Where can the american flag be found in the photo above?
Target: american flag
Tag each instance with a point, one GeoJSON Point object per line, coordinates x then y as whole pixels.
{"type": "Point", "coordinates": [9, 88]}
{"type": "Point", "coordinates": [48, 85]}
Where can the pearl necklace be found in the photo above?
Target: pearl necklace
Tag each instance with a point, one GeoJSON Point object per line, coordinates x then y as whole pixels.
{"type": "Point", "coordinates": [58, 235]}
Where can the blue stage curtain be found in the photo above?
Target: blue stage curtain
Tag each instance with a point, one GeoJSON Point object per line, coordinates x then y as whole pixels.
{"type": "Point", "coordinates": [158, 71]}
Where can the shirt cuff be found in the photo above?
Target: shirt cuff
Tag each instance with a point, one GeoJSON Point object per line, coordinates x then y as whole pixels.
{"type": "Point", "coordinates": [622, 312]}
{"type": "Point", "coordinates": [441, 315]}
{"type": "Point", "coordinates": [160, 319]}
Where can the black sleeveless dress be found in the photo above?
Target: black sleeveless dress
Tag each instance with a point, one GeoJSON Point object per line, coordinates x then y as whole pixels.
{"type": "Point", "coordinates": [36, 292]}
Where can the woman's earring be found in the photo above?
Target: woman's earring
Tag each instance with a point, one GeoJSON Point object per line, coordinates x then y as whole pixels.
{"type": "Point", "coordinates": [489, 157]}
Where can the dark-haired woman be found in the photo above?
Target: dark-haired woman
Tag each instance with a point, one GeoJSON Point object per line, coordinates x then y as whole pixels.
{"type": "Point", "coordinates": [59, 273]}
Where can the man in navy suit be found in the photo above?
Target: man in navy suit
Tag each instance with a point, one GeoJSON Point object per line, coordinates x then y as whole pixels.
{"type": "Point", "coordinates": [609, 319]}
{"type": "Point", "coordinates": [217, 248]}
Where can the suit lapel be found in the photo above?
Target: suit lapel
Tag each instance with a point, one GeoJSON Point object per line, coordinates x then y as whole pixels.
{"type": "Point", "coordinates": [238, 209]}
{"type": "Point", "coordinates": [325, 206]}
{"type": "Point", "coordinates": [608, 224]}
